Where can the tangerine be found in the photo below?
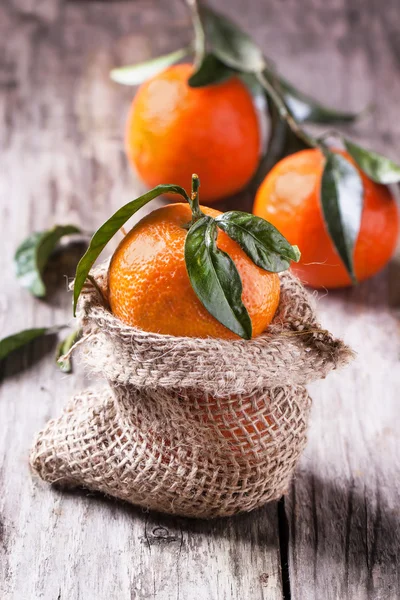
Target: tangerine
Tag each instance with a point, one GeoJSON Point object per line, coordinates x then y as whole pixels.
{"type": "Point", "coordinates": [245, 422]}
{"type": "Point", "coordinates": [174, 130]}
{"type": "Point", "coordinates": [149, 287]}
{"type": "Point", "coordinates": [289, 198]}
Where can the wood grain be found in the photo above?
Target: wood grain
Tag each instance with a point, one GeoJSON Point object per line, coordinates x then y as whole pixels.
{"type": "Point", "coordinates": [62, 161]}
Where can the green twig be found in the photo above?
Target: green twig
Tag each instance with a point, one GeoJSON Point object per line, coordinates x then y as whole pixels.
{"type": "Point", "coordinates": [194, 201]}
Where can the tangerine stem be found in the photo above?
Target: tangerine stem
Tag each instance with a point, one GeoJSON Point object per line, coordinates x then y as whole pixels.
{"type": "Point", "coordinates": [194, 198]}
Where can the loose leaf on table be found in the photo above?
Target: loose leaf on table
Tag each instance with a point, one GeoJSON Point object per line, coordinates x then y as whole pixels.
{"type": "Point", "coordinates": [378, 168]}
{"type": "Point", "coordinates": [215, 279]}
{"type": "Point", "coordinates": [32, 255]}
{"type": "Point", "coordinates": [104, 234]}
{"type": "Point", "coordinates": [342, 204]}
{"type": "Point", "coordinates": [261, 241]}
{"type": "Point", "coordinates": [229, 43]}
{"type": "Point", "coordinates": [136, 74]}
{"type": "Point", "coordinates": [306, 109]}
{"type": "Point", "coordinates": [22, 338]}
{"type": "Point", "coordinates": [210, 72]}
{"type": "Point", "coordinates": [64, 362]}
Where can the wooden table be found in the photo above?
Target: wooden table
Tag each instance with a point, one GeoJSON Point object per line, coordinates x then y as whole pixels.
{"type": "Point", "coordinates": [336, 535]}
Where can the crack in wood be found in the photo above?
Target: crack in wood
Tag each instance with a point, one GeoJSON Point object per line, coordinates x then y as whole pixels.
{"type": "Point", "coordinates": [283, 526]}
{"type": "Point", "coordinates": [348, 532]}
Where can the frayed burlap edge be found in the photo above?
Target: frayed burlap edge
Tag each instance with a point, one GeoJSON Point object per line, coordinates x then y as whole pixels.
{"type": "Point", "coordinates": [293, 351]}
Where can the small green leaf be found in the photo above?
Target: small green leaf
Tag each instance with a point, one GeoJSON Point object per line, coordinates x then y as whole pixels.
{"type": "Point", "coordinates": [306, 109]}
{"type": "Point", "coordinates": [32, 255]}
{"type": "Point", "coordinates": [65, 364]}
{"type": "Point", "coordinates": [261, 241]}
{"type": "Point", "coordinates": [210, 72]}
{"type": "Point", "coordinates": [215, 279]}
{"type": "Point", "coordinates": [136, 74]}
{"type": "Point", "coordinates": [22, 338]}
{"type": "Point", "coordinates": [342, 205]}
{"type": "Point", "coordinates": [229, 43]}
{"type": "Point", "coordinates": [378, 168]}
{"type": "Point", "coordinates": [104, 234]}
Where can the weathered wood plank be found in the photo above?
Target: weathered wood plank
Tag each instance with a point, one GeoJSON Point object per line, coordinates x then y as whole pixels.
{"type": "Point", "coordinates": [62, 161]}
{"type": "Point", "coordinates": [344, 535]}
{"type": "Point", "coordinates": [343, 507]}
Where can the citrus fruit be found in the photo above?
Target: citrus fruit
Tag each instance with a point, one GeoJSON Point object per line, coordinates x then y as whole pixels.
{"type": "Point", "coordinates": [289, 198]}
{"type": "Point", "coordinates": [174, 130]}
{"type": "Point", "coordinates": [149, 287]}
{"type": "Point", "coordinates": [245, 422]}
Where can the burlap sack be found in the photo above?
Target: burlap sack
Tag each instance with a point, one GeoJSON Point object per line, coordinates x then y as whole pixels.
{"type": "Point", "coordinates": [195, 427]}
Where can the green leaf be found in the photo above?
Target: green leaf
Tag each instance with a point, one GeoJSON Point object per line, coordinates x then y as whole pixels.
{"type": "Point", "coordinates": [65, 364]}
{"type": "Point", "coordinates": [136, 74]}
{"type": "Point", "coordinates": [342, 204]}
{"type": "Point", "coordinates": [282, 141]}
{"type": "Point", "coordinates": [276, 99]}
{"type": "Point", "coordinates": [32, 255]}
{"type": "Point", "coordinates": [253, 85]}
{"type": "Point", "coordinates": [378, 168]}
{"type": "Point", "coordinates": [210, 72]}
{"type": "Point", "coordinates": [104, 234]}
{"type": "Point", "coordinates": [215, 279]}
{"type": "Point", "coordinates": [306, 109]}
{"type": "Point", "coordinates": [229, 43]}
{"type": "Point", "coordinates": [22, 338]}
{"type": "Point", "coordinates": [261, 241]}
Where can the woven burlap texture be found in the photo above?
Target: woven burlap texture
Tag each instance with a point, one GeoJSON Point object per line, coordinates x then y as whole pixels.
{"type": "Point", "coordinates": [194, 427]}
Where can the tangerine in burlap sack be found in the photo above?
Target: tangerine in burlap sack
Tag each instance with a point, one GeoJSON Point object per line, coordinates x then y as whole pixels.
{"type": "Point", "coordinates": [195, 427]}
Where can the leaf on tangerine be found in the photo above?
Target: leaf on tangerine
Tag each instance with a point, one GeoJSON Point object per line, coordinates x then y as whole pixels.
{"type": "Point", "coordinates": [215, 279]}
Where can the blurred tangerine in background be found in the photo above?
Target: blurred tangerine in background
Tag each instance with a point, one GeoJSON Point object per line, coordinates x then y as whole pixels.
{"type": "Point", "coordinates": [289, 198]}
{"type": "Point", "coordinates": [174, 130]}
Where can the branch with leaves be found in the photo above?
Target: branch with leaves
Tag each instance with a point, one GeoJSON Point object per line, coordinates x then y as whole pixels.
{"type": "Point", "coordinates": [220, 49]}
